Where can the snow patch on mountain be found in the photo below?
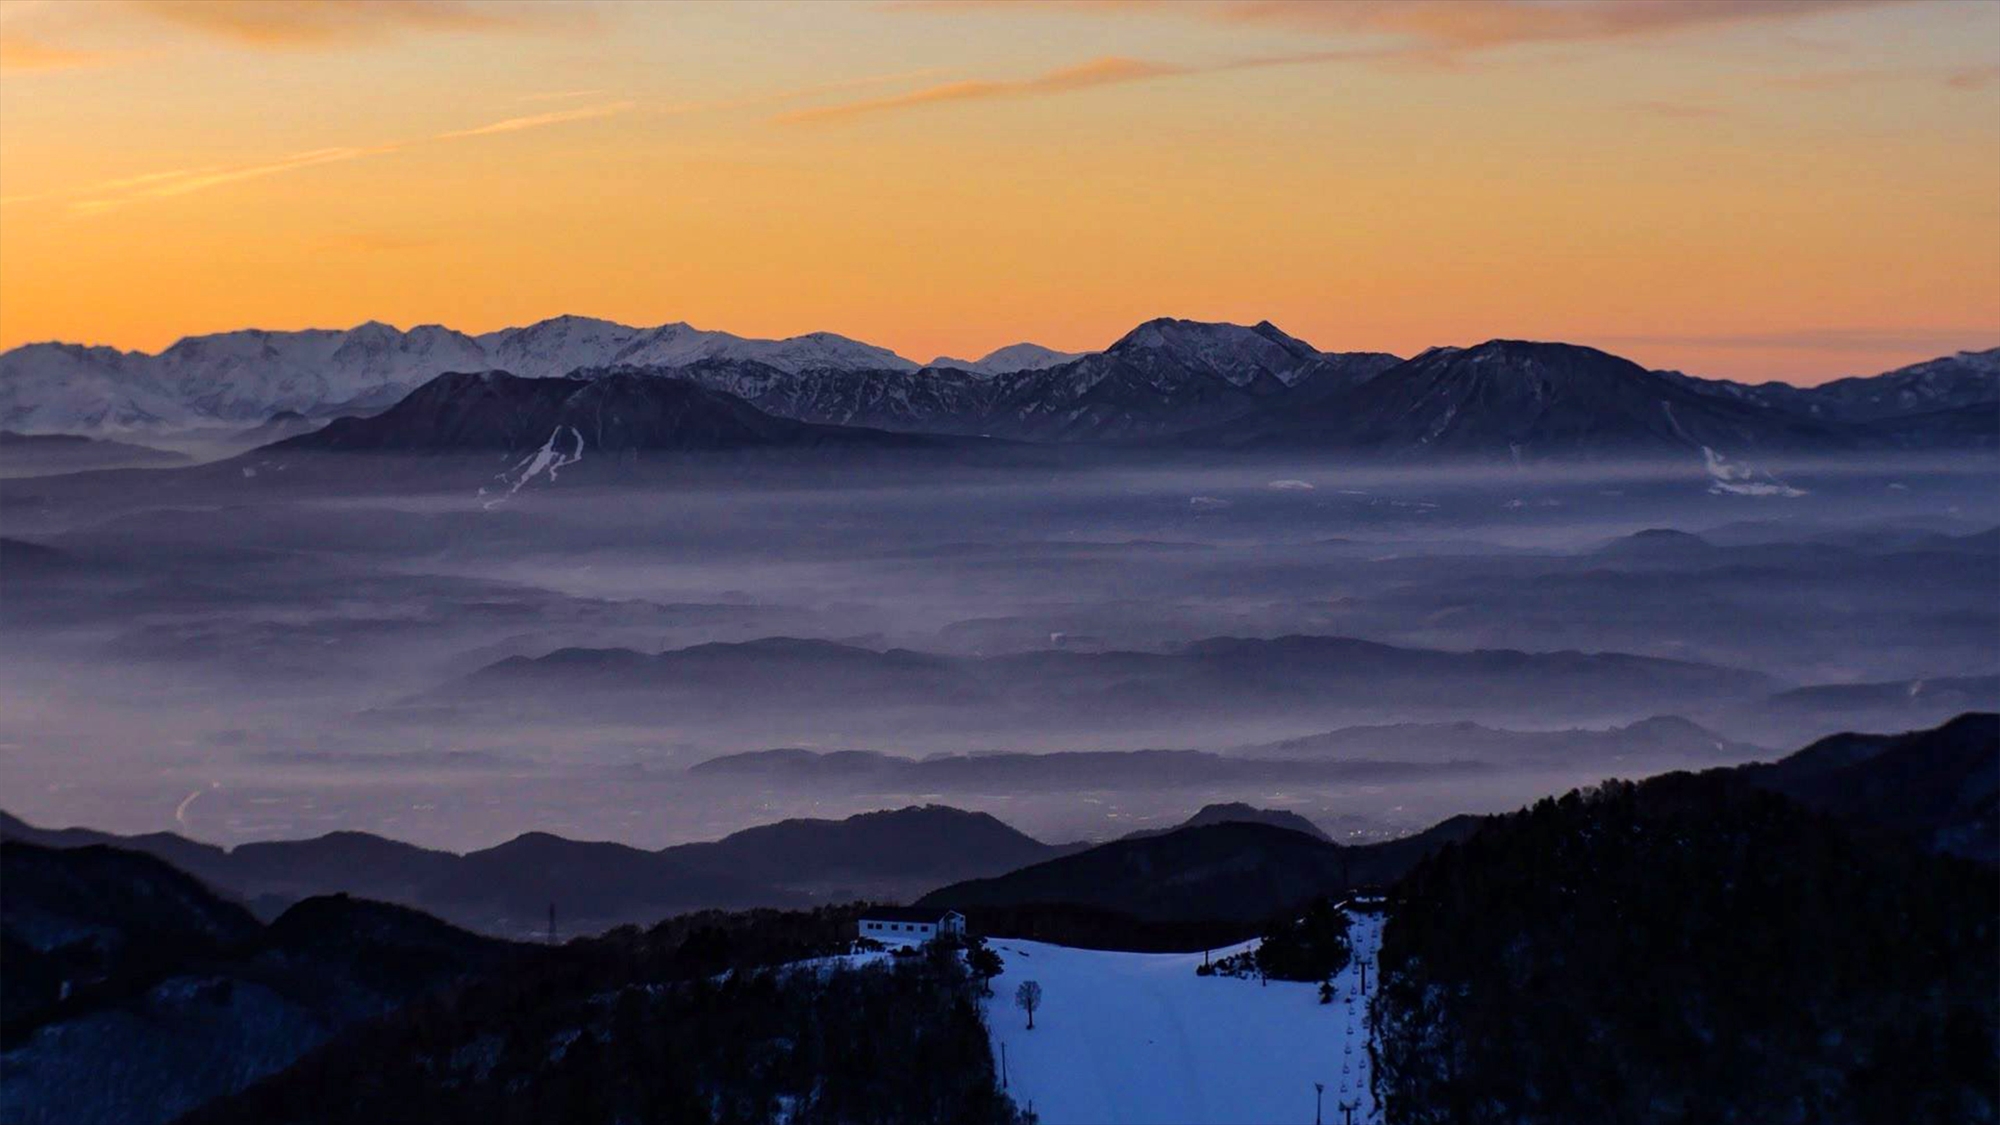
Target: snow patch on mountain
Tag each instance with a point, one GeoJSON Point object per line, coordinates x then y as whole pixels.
{"type": "Point", "coordinates": [1242, 356]}
{"type": "Point", "coordinates": [554, 455]}
{"type": "Point", "coordinates": [1733, 478]}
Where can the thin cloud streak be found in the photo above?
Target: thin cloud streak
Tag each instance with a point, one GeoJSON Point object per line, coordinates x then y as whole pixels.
{"type": "Point", "coordinates": [561, 95]}
{"type": "Point", "coordinates": [292, 24]}
{"type": "Point", "coordinates": [109, 195]}
{"type": "Point", "coordinates": [165, 185]}
{"type": "Point", "coordinates": [267, 25]}
{"type": "Point", "coordinates": [801, 93]}
{"type": "Point", "coordinates": [536, 121]}
{"type": "Point", "coordinates": [1108, 71]}
{"type": "Point", "coordinates": [1960, 78]}
{"type": "Point", "coordinates": [1097, 72]}
{"type": "Point", "coordinates": [1464, 25]}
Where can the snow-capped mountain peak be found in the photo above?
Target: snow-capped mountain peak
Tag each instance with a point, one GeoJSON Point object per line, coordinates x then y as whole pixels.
{"type": "Point", "coordinates": [1243, 356]}
{"type": "Point", "coordinates": [245, 376]}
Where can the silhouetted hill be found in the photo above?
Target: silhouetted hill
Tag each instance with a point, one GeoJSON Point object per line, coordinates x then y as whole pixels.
{"type": "Point", "coordinates": [1231, 871]}
{"type": "Point", "coordinates": [931, 842]}
{"type": "Point", "coordinates": [1236, 812]}
{"type": "Point", "coordinates": [1940, 788]}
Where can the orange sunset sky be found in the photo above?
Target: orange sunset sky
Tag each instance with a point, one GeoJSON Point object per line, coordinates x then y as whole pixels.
{"type": "Point", "coordinates": [1749, 190]}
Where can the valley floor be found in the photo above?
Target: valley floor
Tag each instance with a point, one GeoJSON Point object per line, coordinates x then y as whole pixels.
{"type": "Point", "coordinates": [1133, 1038]}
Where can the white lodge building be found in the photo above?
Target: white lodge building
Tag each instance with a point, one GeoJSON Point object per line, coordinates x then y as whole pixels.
{"type": "Point", "coordinates": [909, 925]}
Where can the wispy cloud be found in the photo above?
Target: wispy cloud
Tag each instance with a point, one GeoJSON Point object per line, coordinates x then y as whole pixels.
{"type": "Point", "coordinates": [112, 194]}
{"type": "Point", "coordinates": [1097, 72]}
{"type": "Point", "coordinates": [109, 195]}
{"type": "Point", "coordinates": [1108, 71]}
{"type": "Point", "coordinates": [1974, 78]}
{"type": "Point", "coordinates": [283, 24]}
{"type": "Point", "coordinates": [561, 95]}
{"type": "Point", "coordinates": [1479, 24]}
{"type": "Point", "coordinates": [1438, 32]}
{"type": "Point", "coordinates": [801, 93]}
{"type": "Point", "coordinates": [537, 120]}
{"type": "Point", "coordinates": [1957, 78]}
{"type": "Point", "coordinates": [41, 36]}
{"type": "Point", "coordinates": [1445, 24]}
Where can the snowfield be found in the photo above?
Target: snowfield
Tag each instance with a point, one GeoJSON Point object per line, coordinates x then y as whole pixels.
{"type": "Point", "coordinates": [1139, 1038]}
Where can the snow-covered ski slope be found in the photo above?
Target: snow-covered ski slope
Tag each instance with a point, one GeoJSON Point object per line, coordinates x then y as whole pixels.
{"type": "Point", "coordinates": [1133, 1038]}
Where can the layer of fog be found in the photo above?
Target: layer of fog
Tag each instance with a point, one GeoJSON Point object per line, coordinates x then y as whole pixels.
{"type": "Point", "coordinates": [238, 664]}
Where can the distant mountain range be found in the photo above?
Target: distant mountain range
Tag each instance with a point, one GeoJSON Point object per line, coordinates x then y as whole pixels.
{"type": "Point", "coordinates": [1299, 678]}
{"type": "Point", "coordinates": [1352, 755]}
{"type": "Point", "coordinates": [237, 377]}
{"type": "Point", "coordinates": [1177, 382]}
{"type": "Point", "coordinates": [1161, 378]}
{"type": "Point", "coordinates": [867, 771]}
{"type": "Point", "coordinates": [1520, 398]}
{"type": "Point", "coordinates": [40, 454]}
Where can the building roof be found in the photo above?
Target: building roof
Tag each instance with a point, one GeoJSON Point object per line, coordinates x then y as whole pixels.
{"type": "Point", "coordinates": [932, 914]}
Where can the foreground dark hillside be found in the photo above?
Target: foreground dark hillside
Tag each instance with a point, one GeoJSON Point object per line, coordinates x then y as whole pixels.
{"type": "Point", "coordinates": [134, 993]}
{"type": "Point", "coordinates": [1938, 788]}
{"type": "Point", "coordinates": [695, 1020]}
{"type": "Point", "coordinates": [1692, 948]}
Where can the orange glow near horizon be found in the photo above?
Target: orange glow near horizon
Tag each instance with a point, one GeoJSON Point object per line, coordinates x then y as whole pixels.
{"type": "Point", "coordinates": [1731, 188]}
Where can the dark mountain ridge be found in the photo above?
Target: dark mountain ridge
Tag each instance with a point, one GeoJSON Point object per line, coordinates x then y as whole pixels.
{"type": "Point", "coordinates": [1967, 379]}
{"type": "Point", "coordinates": [509, 887]}
{"type": "Point", "coordinates": [867, 771]}
{"type": "Point", "coordinates": [1307, 676]}
{"type": "Point", "coordinates": [615, 414]}
{"type": "Point", "coordinates": [1522, 399]}
{"type": "Point", "coordinates": [1163, 376]}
